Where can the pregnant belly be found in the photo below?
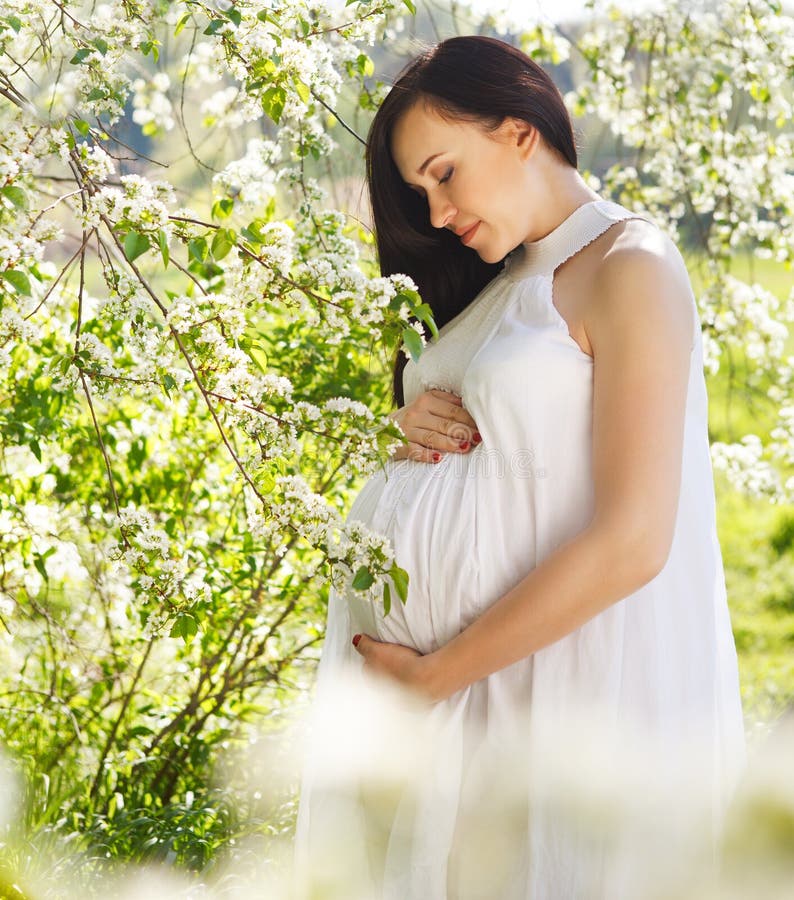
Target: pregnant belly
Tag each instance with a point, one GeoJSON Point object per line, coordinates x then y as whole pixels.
{"type": "Point", "coordinates": [448, 524]}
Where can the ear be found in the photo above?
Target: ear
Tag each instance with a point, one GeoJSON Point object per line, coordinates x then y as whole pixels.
{"type": "Point", "coordinates": [521, 135]}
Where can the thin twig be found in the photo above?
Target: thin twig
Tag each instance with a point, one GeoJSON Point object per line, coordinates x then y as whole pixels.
{"type": "Point", "coordinates": [60, 275]}
{"type": "Point", "coordinates": [339, 119]}
{"type": "Point", "coordinates": [177, 338]}
{"type": "Point", "coordinates": [119, 718]}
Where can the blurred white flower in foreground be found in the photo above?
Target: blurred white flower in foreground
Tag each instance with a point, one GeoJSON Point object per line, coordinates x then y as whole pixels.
{"type": "Point", "coordinates": [370, 753]}
{"type": "Point", "coordinates": [381, 767]}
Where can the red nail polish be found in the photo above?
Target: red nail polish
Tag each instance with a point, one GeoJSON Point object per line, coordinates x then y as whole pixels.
{"type": "Point", "coordinates": [436, 457]}
{"type": "Point", "coordinates": [464, 445]}
{"type": "Point", "coordinates": [356, 639]}
{"type": "Point", "coordinates": [477, 437]}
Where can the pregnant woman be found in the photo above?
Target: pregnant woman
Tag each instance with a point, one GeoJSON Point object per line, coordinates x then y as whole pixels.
{"type": "Point", "coordinates": [553, 502]}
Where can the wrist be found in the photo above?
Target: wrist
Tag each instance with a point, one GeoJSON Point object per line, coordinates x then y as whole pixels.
{"type": "Point", "coordinates": [438, 675]}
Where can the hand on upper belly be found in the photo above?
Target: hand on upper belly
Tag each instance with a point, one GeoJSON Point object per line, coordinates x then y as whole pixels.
{"type": "Point", "coordinates": [435, 423]}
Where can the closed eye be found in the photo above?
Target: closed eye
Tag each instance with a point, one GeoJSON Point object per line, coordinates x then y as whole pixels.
{"type": "Point", "coordinates": [447, 175]}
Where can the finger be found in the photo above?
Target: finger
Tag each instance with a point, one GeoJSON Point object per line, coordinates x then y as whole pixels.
{"type": "Point", "coordinates": [457, 415]}
{"type": "Point", "coordinates": [440, 433]}
{"type": "Point", "coordinates": [446, 395]}
{"type": "Point", "coordinates": [443, 403]}
{"type": "Point", "coordinates": [459, 426]}
{"type": "Point", "coordinates": [364, 643]}
{"type": "Point", "coordinates": [460, 416]}
{"type": "Point", "coordinates": [457, 442]}
{"type": "Point", "coordinates": [420, 453]}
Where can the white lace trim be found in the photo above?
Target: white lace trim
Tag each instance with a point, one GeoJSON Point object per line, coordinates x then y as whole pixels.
{"type": "Point", "coordinates": [582, 227]}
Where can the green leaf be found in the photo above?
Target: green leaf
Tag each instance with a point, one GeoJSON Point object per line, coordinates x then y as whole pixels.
{"type": "Point", "coordinates": [185, 626]}
{"type": "Point", "coordinates": [214, 26]}
{"type": "Point", "coordinates": [162, 239]}
{"type": "Point", "coordinates": [408, 297]}
{"type": "Point", "coordinates": [222, 243]}
{"type": "Point", "coordinates": [252, 233]}
{"type": "Point", "coordinates": [78, 58]}
{"type": "Point", "coordinates": [258, 354]}
{"type": "Point", "coordinates": [363, 579]}
{"type": "Point", "coordinates": [399, 578]}
{"type": "Point", "coordinates": [38, 562]}
{"type": "Point", "coordinates": [197, 249]}
{"type": "Point", "coordinates": [264, 69]}
{"type": "Point", "coordinates": [413, 342]}
{"type": "Point", "coordinates": [16, 195]}
{"type": "Point", "coordinates": [267, 481]}
{"type": "Point", "coordinates": [18, 280]}
{"type": "Point", "coordinates": [233, 15]}
{"type": "Point", "coordinates": [152, 47]}
{"type": "Point", "coordinates": [101, 45]}
{"type": "Point", "coordinates": [169, 383]}
{"type": "Point", "coordinates": [135, 244]}
{"type": "Point", "coordinates": [222, 209]}
{"type": "Point", "coordinates": [302, 90]}
{"type": "Point", "coordinates": [181, 23]}
{"type": "Point", "coordinates": [82, 126]}
{"type": "Point", "coordinates": [424, 313]}
{"type": "Point", "coordinates": [14, 22]}
{"type": "Point", "coordinates": [365, 65]}
{"type": "Point", "coordinates": [411, 7]}
{"type": "Point", "coordinates": [96, 94]}
{"type": "Point", "coordinates": [273, 101]}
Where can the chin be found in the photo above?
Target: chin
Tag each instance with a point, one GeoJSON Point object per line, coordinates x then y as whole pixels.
{"type": "Point", "coordinates": [488, 256]}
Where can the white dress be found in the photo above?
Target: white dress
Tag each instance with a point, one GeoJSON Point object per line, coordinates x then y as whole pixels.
{"type": "Point", "coordinates": [469, 528]}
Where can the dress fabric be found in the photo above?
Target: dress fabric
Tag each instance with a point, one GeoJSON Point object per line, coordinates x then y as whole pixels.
{"type": "Point", "coordinates": [467, 529]}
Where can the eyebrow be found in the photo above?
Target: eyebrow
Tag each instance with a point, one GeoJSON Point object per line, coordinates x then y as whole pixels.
{"type": "Point", "coordinates": [426, 163]}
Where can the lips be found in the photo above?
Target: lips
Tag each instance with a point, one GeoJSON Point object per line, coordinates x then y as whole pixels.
{"type": "Point", "coordinates": [466, 236]}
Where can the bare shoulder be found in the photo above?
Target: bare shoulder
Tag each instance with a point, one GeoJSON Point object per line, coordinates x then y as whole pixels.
{"type": "Point", "coordinates": [635, 244]}
{"type": "Point", "coordinates": [640, 284]}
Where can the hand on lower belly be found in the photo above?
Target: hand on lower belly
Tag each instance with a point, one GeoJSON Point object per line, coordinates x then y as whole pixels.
{"type": "Point", "coordinates": [402, 664]}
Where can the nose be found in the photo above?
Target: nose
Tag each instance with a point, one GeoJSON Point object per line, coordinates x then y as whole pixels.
{"type": "Point", "coordinates": [441, 211]}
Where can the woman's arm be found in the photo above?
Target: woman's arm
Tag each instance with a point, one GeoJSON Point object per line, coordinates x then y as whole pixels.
{"type": "Point", "coordinates": [641, 327]}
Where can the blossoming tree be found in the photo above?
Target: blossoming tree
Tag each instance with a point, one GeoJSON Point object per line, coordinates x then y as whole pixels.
{"type": "Point", "coordinates": [192, 347]}
{"type": "Point", "coordinates": [179, 418]}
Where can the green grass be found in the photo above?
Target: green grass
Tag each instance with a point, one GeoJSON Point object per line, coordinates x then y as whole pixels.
{"type": "Point", "coordinates": [774, 276]}
{"type": "Point", "coordinates": [757, 540]}
{"type": "Point", "coordinates": [757, 537]}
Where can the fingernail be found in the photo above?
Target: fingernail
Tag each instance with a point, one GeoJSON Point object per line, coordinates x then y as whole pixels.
{"type": "Point", "coordinates": [477, 437]}
{"type": "Point", "coordinates": [356, 639]}
{"type": "Point", "coordinates": [436, 457]}
{"type": "Point", "coordinates": [464, 445]}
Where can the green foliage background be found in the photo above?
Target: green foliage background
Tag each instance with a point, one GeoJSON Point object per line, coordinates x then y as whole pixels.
{"type": "Point", "coordinates": [757, 540]}
{"type": "Point", "coordinates": [122, 734]}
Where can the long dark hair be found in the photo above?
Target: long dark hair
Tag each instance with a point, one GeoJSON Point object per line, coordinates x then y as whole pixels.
{"type": "Point", "coordinates": [469, 78]}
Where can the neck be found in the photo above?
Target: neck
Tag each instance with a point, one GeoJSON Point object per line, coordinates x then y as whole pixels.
{"type": "Point", "coordinates": [566, 191]}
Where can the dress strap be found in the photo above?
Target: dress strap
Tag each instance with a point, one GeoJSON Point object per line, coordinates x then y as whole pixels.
{"type": "Point", "coordinates": [582, 227]}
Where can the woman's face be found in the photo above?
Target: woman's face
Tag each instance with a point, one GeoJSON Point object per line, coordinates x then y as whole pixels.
{"type": "Point", "coordinates": [469, 177]}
